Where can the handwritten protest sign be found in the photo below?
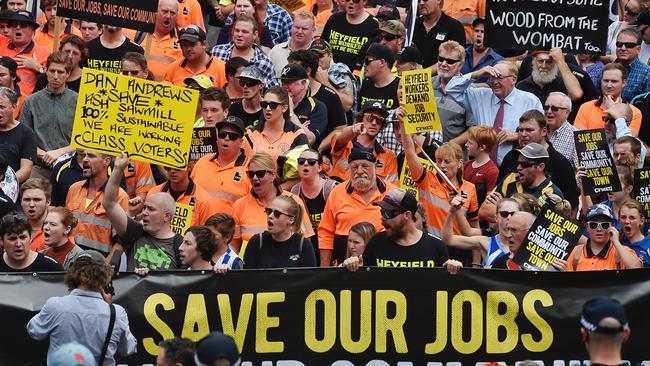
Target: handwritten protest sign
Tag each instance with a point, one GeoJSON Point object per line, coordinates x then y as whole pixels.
{"type": "Point", "coordinates": [551, 237]}
{"type": "Point", "coordinates": [204, 142]}
{"type": "Point", "coordinates": [578, 26]}
{"type": "Point", "coordinates": [407, 182]}
{"type": "Point", "coordinates": [593, 154]}
{"type": "Point", "coordinates": [139, 15]}
{"type": "Point", "coordinates": [289, 5]}
{"type": "Point", "coordinates": [182, 219]}
{"type": "Point", "coordinates": [641, 191]}
{"type": "Point", "coordinates": [150, 121]}
{"type": "Point", "coordinates": [419, 102]}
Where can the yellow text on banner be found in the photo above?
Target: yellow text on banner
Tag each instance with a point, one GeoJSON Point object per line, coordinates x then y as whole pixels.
{"type": "Point", "coordinates": [419, 102]}
{"type": "Point", "coordinates": [151, 121]}
{"type": "Point", "coordinates": [182, 219]}
{"type": "Point", "coordinates": [407, 182]}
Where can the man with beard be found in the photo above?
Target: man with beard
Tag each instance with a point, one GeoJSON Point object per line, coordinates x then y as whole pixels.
{"type": "Point", "coordinates": [402, 244]}
{"type": "Point", "coordinates": [94, 230]}
{"type": "Point", "coordinates": [106, 51]}
{"type": "Point", "coordinates": [479, 56]}
{"type": "Point", "coordinates": [350, 203]}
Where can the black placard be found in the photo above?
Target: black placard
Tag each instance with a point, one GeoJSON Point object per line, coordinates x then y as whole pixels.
{"type": "Point", "coordinates": [593, 154]}
{"type": "Point", "coordinates": [572, 25]}
{"type": "Point", "coordinates": [139, 15]}
{"type": "Point", "coordinates": [204, 142]}
{"type": "Point", "coordinates": [551, 237]}
{"type": "Point", "coordinates": [641, 191]}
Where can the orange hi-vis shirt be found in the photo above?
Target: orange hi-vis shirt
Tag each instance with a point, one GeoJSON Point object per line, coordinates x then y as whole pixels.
{"type": "Point", "coordinates": [607, 259]}
{"type": "Point", "coordinates": [38, 241]}
{"type": "Point", "coordinates": [590, 116]}
{"type": "Point", "coordinates": [27, 77]}
{"type": "Point", "coordinates": [345, 208]}
{"type": "Point", "coordinates": [164, 52]}
{"type": "Point", "coordinates": [178, 71]}
{"type": "Point", "coordinates": [194, 195]}
{"type": "Point", "coordinates": [94, 230]}
{"type": "Point", "coordinates": [292, 136]}
{"type": "Point", "coordinates": [250, 217]}
{"type": "Point", "coordinates": [189, 12]}
{"type": "Point", "coordinates": [465, 11]}
{"type": "Point", "coordinates": [226, 184]}
{"type": "Point", "coordinates": [386, 161]}
{"type": "Point", "coordinates": [44, 38]}
{"type": "Point", "coordinates": [435, 196]}
{"type": "Point", "coordinates": [138, 178]}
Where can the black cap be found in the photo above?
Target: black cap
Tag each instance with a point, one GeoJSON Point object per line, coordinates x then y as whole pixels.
{"type": "Point", "coordinates": [595, 310]}
{"type": "Point", "coordinates": [232, 121]}
{"type": "Point", "coordinates": [375, 106]}
{"type": "Point", "coordinates": [361, 153]}
{"type": "Point", "coordinates": [409, 54]}
{"type": "Point", "coordinates": [382, 52]}
{"type": "Point", "coordinates": [216, 346]}
{"type": "Point", "coordinates": [320, 46]}
{"type": "Point", "coordinates": [293, 72]}
{"type": "Point", "coordinates": [388, 12]}
{"type": "Point", "coordinates": [192, 33]}
{"type": "Point", "coordinates": [398, 200]}
{"type": "Point", "coordinates": [23, 16]}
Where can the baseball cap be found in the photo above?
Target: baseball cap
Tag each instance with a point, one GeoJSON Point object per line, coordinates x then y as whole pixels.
{"type": "Point", "coordinates": [71, 354]}
{"type": "Point", "coordinates": [388, 12]}
{"type": "Point", "coordinates": [192, 33]}
{"type": "Point", "coordinates": [600, 210]}
{"type": "Point", "coordinates": [361, 153]}
{"type": "Point", "coordinates": [394, 27]}
{"type": "Point", "coordinates": [376, 106]}
{"type": "Point", "coordinates": [320, 46]}
{"type": "Point", "coordinates": [533, 151]}
{"type": "Point", "coordinates": [203, 81]}
{"type": "Point", "coordinates": [215, 346]}
{"type": "Point", "coordinates": [595, 310]}
{"type": "Point", "coordinates": [293, 72]}
{"type": "Point", "coordinates": [398, 200]}
{"type": "Point", "coordinates": [23, 16]}
{"type": "Point", "coordinates": [232, 121]}
{"type": "Point", "coordinates": [642, 19]}
{"type": "Point", "coordinates": [251, 72]}
{"type": "Point", "coordinates": [382, 52]}
{"type": "Point", "coordinates": [409, 54]}
{"type": "Point", "coordinates": [94, 256]}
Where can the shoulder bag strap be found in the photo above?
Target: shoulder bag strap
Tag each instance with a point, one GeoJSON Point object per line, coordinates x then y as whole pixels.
{"type": "Point", "coordinates": [107, 341]}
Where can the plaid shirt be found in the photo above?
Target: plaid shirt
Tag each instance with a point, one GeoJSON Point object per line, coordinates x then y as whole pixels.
{"type": "Point", "coordinates": [386, 137]}
{"type": "Point", "coordinates": [277, 21]}
{"type": "Point", "coordinates": [564, 143]}
{"type": "Point", "coordinates": [337, 73]}
{"type": "Point", "coordinates": [638, 80]}
{"type": "Point", "coordinates": [260, 59]}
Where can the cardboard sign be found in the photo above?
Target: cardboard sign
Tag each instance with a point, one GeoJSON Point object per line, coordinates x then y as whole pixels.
{"type": "Point", "coordinates": [406, 181]}
{"type": "Point", "coordinates": [204, 142]}
{"type": "Point", "coordinates": [289, 5]}
{"type": "Point", "coordinates": [139, 15]}
{"type": "Point", "coordinates": [182, 219]}
{"type": "Point", "coordinates": [419, 102]}
{"type": "Point", "coordinates": [641, 191]}
{"type": "Point", "coordinates": [593, 154]}
{"type": "Point", "coordinates": [151, 121]}
{"type": "Point", "coordinates": [552, 236]}
{"type": "Point", "coordinates": [578, 26]}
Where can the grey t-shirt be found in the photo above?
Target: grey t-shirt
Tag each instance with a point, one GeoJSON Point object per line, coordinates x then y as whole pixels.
{"type": "Point", "coordinates": [146, 251]}
{"type": "Point", "coordinates": [50, 116]}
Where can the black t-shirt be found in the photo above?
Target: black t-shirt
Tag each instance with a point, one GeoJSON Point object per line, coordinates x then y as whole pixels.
{"type": "Point", "coordinates": [40, 264]}
{"type": "Point", "coordinates": [381, 251]}
{"type": "Point", "coordinates": [41, 83]}
{"type": "Point", "coordinates": [335, 112]}
{"type": "Point", "coordinates": [386, 94]}
{"type": "Point", "coordinates": [346, 39]}
{"type": "Point", "coordinates": [250, 119]}
{"type": "Point", "coordinates": [446, 29]}
{"type": "Point", "coordinates": [18, 143]}
{"type": "Point", "coordinates": [273, 254]}
{"type": "Point", "coordinates": [109, 59]}
{"type": "Point", "coordinates": [7, 205]}
{"type": "Point", "coordinates": [315, 207]}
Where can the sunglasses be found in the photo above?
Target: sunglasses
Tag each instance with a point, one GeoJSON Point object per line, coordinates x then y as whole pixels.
{"type": "Point", "coordinates": [526, 164]}
{"type": "Point", "coordinates": [506, 214]}
{"type": "Point", "coordinates": [190, 29]}
{"type": "Point", "coordinates": [311, 162]}
{"type": "Point", "coordinates": [276, 213]}
{"type": "Point", "coordinates": [272, 105]}
{"type": "Point", "coordinates": [256, 173]}
{"type": "Point", "coordinates": [593, 225]}
{"type": "Point", "coordinates": [232, 136]}
{"type": "Point", "coordinates": [626, 44]}
{"type": "Point", "coordinates": [130, 72]}
{"type": "Point", "coordinates": [369, 117]}
{"type": "Point", "coordinates": [368, 60]}
{"type": "Point", "coordinates": [388, 37]}
{"type": "Point", "coordinates": [629, 12]}
{"type": "Point", "coordinates": [388, 214]}
{"type": "Point", "coordinates": [554, 108]}
{"type": "Point", "coordinates": [248, 83]}
{"type": "Point", "coordinates": [449, 61]}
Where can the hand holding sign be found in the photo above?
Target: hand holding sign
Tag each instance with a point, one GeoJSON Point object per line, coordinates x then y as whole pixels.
{"type": "Point", "coordinates": [594, 155]}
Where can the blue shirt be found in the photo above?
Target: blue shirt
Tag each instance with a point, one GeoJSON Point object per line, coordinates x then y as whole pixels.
{"type": "Point", "coordinates": [489, 59]}
{"type": "Point", "coordinates": [641, 247]}
{"type": "Point", "coordinates": [638, 80]}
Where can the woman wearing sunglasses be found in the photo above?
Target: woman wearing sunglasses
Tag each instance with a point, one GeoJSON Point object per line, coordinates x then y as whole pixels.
{"type": "Point", "coordinates": [282, 244]}
{"type": "Point", "coordinates": [249, 211]}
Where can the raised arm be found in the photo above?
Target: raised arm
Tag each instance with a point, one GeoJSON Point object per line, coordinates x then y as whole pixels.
{"type": "Point", "coordinates": [115, 212]}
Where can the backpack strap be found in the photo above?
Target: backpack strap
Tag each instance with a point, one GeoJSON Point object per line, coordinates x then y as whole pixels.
{"type": "Point", "coordinates": [576, 256]}
{"type": "Point", "coordinates": [327, 188]}
{"type": "Point", "coordinates": [107, 340]}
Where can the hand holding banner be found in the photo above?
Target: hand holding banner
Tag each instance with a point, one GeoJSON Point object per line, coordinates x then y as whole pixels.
{"type": "Point", "coordinates": [594, 156]}
{"type": "Point", "coordinates": [419, 102]}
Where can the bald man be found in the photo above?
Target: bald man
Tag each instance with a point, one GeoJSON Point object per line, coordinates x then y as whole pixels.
{"type": "Point", "coordinates": [150, 244]}
{"type": "Point", "coordinates": [165, 46]}
{"type": "Point", "coordinates": [515, 233]}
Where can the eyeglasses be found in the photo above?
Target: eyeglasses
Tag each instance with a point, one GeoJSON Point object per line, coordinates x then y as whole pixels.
{"type": "Point", "coordinates": [513, 230]}
{"type": "Point", "coordinates": [595, 225]}
{"type": "Point", "coordinates": [368, 60]}
{"type": "Point", "coordinates": [232, 136]}
{"type": "Point", "coordinates": [311, 162]}
{"type": "Point", "coordinates": [449, 61]}
{"type": "Point", "coordinates": [388, 37]}
{"type": "Point", "coordinates": [554, 108]}
{"type": "Point", "coordinates": [629, 12]}
{"type": "Point", "coordinates": [626, 44]}
{"type": "Point", "coordinates": [526, 164]}
{"type": "Point", "coordinates": [276, 213]}
{"type": "Point", "coordinates": [190, 29]}
{"type": "Point", "coordinates": [369, 117]}
{"type": "Point", "coordinates": [248, 83]}
{"type": "Point", "coordinates": [272, 105]}
{"type": "Point", "coordinates": [506, 214]}
{"type": "Point", "coordinates": [131, 72]}
{"type": "Point", "coordinates": [390, 214]}
{"type": "Point", "coordinates": [256, 173]}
